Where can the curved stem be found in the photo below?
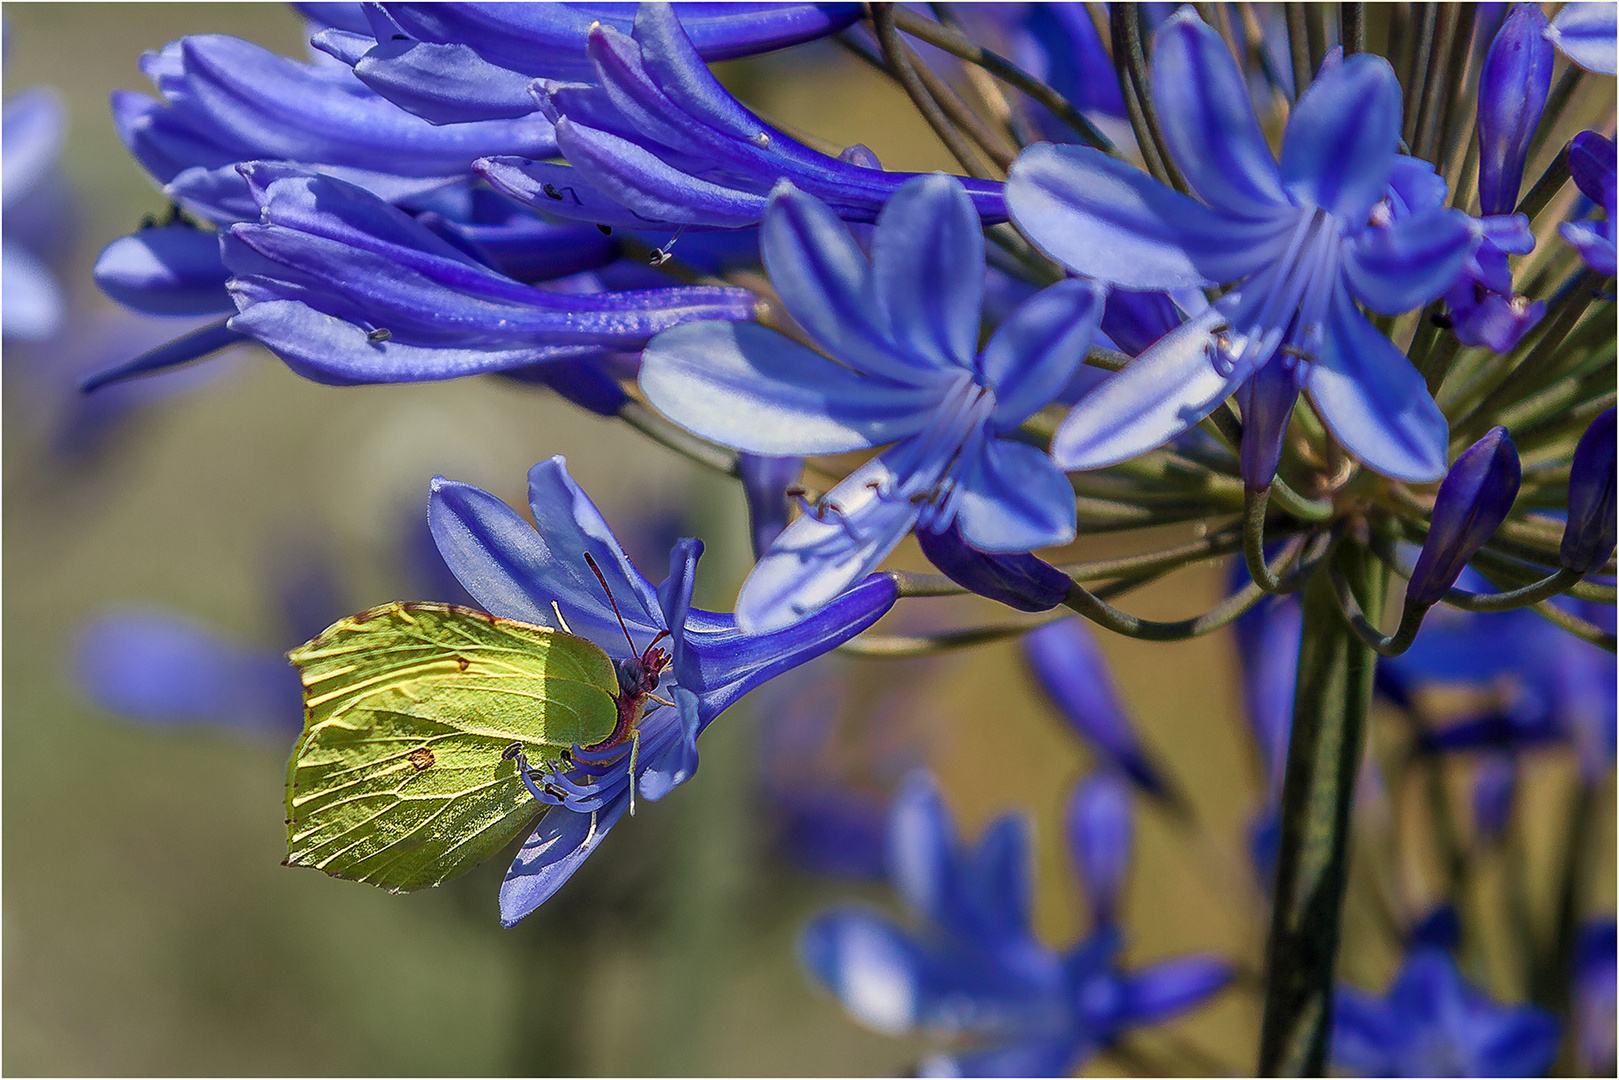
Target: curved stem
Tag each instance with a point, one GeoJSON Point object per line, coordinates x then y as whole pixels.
{"type": "Point", "coordinates": [1255, 501]}
{"type": "Point", "coordinates": [1528, 595]}
{"type": "Point", "coordinates": [957, 45]}
{"type": "Point", "coordinates": [891, 646]}
{"type": "Point", "coordinates": [1575, 625]}
{"type": "Point", "coordinates": [1374, 639]}
{"type": "Point", "coordinates": [897, 56]}
{"type": "Point", "coordinates": [1227, 611]}
{"type": "Point", "coordinates": [1131, 62]}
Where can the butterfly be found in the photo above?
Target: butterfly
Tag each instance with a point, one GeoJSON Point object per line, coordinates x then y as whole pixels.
{"type": "Point", "coordinates": [420, 720]}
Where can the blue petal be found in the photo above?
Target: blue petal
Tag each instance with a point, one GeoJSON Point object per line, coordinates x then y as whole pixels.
{"type": "Point", "coordinates": [649, 187]}
{"type": "Point", "coordinates": [674, 598]}
{"type": "Point", "coordinates": [1020, 581]}
{"type": "Point", "coordinates": [1155, 397]}
{"type": "Point", "coordinates": [678, 761]}
{"type": "Point", "coordinates": [1164, 991]}
{"type": "Point", "coordinates": [1108, 220]}
{"type": "Point", "coordinates": [1375, 402]}
{"type": "Point", "coordinates": [1072, 670]}
{"type": "Point", "coordinates": [1012, 497]}
{"type": "Point", "coordinates": [765, 481]}
{"type": "Point", "coordinates": [195, 345]}
{"type": "Point", "coordinates": [1100, 826]}
{"type": "Point", "coordinates": [1000, 875]}
{"type": "Point", "coordinates": [816, 559]}
{"type": "Point", "coordinates": [928, 241]}
{"type": "Point", "coordinates": [31, 302]}
{"type": "Point", "coordinates": [1208, 120]}
{"type": "Point", "coordinates": [728, 663]}
{"type": "Point", "coordinates": [328, 349]}
{"type": "Point", "coordinates": [30, 136]}
{"type": "Point", "coordinates": [561, 190]}
{"type": "Point", "coordinates": [1593, 242]}
{"type": "Point", "coordinates": [1585, 33]}
{"type": "Point", "coordinates": [825, 283]}
{"type": "Point", "coordinates": [1413, 260]}
{"type": "Point", "coordinates": [1341, 140]}
{"type": "Point", "coordinates": [753, 389]}
{"type": "Point", "coordinates": [1365, 1035]}
{"type": "Point", "coordinates": [1025, 1057]}
{"type": "Point", "coordinates": [924, 852]}
{"type": "Point", "coordinates": [872, 968]}
{"type": "Point", "coordinates": [558, 846]}
{"type": "Point", "coordinates": [165, 270]}
{"type": "Point", "coordinates": [1035, 352]}
{"type": "Point", "coordinates": [517, 573]}
{"type": "Point", "coordinates": [442, 83]}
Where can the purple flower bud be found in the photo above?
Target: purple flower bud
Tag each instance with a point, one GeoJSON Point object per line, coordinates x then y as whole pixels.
{"type": "Point", "coordinates": [1588, 538]}
{"type": "Point", "coordinates": [1512, 93]}
{"type": "Point", "coordinates": [166, 270]}
{"type": "Point", "coordinates": [1474, 498]}
{"type": "Point", "coordinates": [765, 481]}
{"type": "Point", "coordinates": [1021, 581]}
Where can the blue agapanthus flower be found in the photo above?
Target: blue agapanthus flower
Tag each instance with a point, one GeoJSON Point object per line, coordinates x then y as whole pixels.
{"type": "Point", "coordinates": [455, 63]}
{"type": "Point", "coordinates": [1433, 1023]}
{"type": "Point", "coordinates": [1302, 239]}
{"type": "Point", "coordinates": [541, 574]}
{"type": "Point", "coordinates": [974, 969]}
{"type": "Point", "coordinates": [32, 134]}
{"type": "Point", "coordinates": [348, 289]}
{"type": "Point", "coordinates": [654, 138]}
{"type": "Point", "coordinates": [902, 331]}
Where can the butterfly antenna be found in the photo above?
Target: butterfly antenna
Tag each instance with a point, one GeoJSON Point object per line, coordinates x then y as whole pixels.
{"type": "Point", "coordinates": [594, 569]}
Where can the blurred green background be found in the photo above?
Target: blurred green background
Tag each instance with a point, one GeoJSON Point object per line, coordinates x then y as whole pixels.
{"type": "Point", "coordinates": [148, 925]}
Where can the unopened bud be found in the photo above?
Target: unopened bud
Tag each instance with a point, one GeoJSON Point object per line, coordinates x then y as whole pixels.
{"type": "Point", "coordinates": [1474, 498]}
{"type": "Point", "coordinates": [1588, 538]}
{"type": "Point", "coordinates": [1020, 581]}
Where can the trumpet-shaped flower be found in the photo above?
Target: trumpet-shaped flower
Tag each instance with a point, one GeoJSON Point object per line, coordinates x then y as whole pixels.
{"type": "Point", "coordinates": [902, 329]}
{"type": "Point", "coordinates": [541, 574]}
{"type": "Point", "coordinates": [654, 138]}
{"type": "Point", "coordinates": [347, 289]}
{"type": "Point", "coordinates": [976, 968]}
{"type": "Point", "coordinates": [1301, 240]}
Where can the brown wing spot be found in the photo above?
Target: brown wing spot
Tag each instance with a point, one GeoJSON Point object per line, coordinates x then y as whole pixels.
{"type": "Point", "coordinates": [421, 758]}
{"type": "Point", "coordinates": [463, 662]}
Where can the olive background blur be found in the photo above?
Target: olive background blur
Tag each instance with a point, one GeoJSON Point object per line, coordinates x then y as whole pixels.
{"type": "Point", "coordinates": [148, 925]}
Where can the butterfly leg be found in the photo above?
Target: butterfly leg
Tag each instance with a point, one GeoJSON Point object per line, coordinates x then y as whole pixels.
{"type": "Point", "coordinates": [635, 753]}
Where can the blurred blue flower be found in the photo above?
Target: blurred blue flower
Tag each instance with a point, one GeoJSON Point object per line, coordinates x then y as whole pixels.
{"type": "Point", "coordinates": [902, 329]}
{"type": "Point", "coordinates": [974, 967]}
{"type": "Point", "coordinates": [1432, 1023]}
{"type": "Point", "coordinates": [31, 136]}
{"type": "Point", "coordinates": [541, 575]}
{"type": "Point", "coordinates": [1596, 995]}
{"type": "Point", "coordinates": [654, 138]}
{"type": "Point", "coordinates": [457, 63]}
{"type": "Point", "coordinates": [1305, 239]}
{"type": "Point", "coordinates": [1591, 161]}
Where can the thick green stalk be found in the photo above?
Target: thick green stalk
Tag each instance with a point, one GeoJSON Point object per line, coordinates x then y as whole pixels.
{"type": "Point", "coordinates": [1329, 722]}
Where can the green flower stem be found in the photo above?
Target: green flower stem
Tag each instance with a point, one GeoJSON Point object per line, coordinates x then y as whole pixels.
{"type": "Point", "coordinates": [1546, 188]}
{"type": "Point", "coordinates": [1130, 58]}
{"type": "Point", "coordinates": [957, 45]}
{"type": "Point", "coordinates": [899, 60]}
{"type": "Point", "coordinates": [1416, 73]}
{"type": "Point", "coordinates": [1329, 719]}
{"type": "Point", "coordinates": [1256, 500]}
{"type": "Point", "coordinates": [1298, 45]}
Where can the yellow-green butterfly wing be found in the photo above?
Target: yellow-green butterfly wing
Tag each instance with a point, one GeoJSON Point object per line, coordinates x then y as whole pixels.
{"type": "Point", "coordinates": [398, 778]}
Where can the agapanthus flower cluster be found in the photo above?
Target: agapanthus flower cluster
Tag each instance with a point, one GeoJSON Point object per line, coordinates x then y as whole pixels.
{"type": "Point", "coordinates": [1327, 288]}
